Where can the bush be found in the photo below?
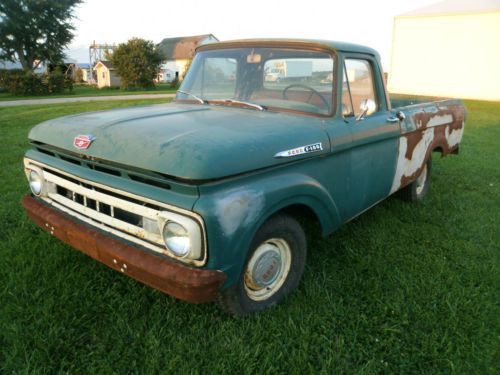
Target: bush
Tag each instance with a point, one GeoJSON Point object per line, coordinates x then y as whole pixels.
{"type": "Point", "coordinates": [68, 83]}
{"type": "Point", "coordinates": [3, 77]}
{"type": "Point", "coordinates": [175, 83]}
{"type": "Point", "coordinates": [55, 82]}
{"type": "Point", "coordinates": [10, 80]}
{"type": "Point", "coordinates": [32, 84]}
{"type": "Point", "coordinates": [18, 82]}
{"type": "Point", "coordinates": [79, 76]}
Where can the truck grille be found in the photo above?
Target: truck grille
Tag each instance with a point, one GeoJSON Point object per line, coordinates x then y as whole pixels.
{"type": "Point", "coordinates": [106, 207]}
{"type": "Point", "coordinates": [123, 214]}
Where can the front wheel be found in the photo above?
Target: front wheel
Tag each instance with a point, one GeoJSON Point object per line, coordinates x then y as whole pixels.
{"type": "Point", "coordinates": [417, 190]}
{"type": "Point", "coordinates": [272, 270]}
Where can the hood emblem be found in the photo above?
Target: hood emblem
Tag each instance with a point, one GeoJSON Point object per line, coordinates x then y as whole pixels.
{"type": "Point", "coordinates": [83, 142]}
{"type": "Point", "coordinates": [300, 150]}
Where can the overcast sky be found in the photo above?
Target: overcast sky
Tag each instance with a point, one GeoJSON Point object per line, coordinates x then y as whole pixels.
{"type": "Point", "coordinates": [115, 21]}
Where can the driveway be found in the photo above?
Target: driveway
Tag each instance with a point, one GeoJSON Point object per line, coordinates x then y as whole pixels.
{"type": "Point", "coordinates": [12, 103]}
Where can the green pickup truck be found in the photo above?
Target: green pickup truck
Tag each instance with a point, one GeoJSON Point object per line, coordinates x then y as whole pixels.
{"type": "Point", "coordinates": [200, 198]}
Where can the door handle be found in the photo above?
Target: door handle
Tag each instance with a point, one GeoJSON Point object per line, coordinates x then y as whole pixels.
{"type": "Point", "coordinates": [400, 116]}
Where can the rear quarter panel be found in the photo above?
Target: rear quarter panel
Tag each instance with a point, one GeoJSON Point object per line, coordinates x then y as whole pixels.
{"type": "Point", "coordinates": [427, 127]}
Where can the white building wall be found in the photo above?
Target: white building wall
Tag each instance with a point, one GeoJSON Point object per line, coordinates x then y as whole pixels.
{"type": "Point", "coordinates": [447, 55]}
{"type": "Point", "coordinates": [174, 66]}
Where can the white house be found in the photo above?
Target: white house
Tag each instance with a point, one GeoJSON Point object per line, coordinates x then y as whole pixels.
{"type": "Point", "coordinates": [449, 49]}
{"type": "Point", "coordinates": [179, 52]}
{"type": "Point", "coordinates": [106, 74]}
{"type": "Point", "coordinates": [85, 69]}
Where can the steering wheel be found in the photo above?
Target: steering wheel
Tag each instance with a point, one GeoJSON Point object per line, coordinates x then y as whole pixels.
{"type": "Point", "coordinates": [313, 91]}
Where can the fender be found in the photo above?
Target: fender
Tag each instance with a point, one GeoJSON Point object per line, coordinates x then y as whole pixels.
{"type": "Point", "coordinates": [233, 212]}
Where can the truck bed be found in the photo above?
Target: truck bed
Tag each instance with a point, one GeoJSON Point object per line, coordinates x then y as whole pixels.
{"type": "Point", "coordinates": [429, 124]}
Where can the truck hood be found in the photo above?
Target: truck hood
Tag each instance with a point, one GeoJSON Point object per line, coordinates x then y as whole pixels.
{"type": "Point", "coordinates": [194, 142]}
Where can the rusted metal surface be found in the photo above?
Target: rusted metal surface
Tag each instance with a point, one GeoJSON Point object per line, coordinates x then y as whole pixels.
{"type": "Point", "coordinates": [438, 128]}
{"type": "Point", "coordinates": [189, 284]}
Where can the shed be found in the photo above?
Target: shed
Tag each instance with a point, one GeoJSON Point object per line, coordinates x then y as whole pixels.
{"type": "Point", "coordinates": [106, 74]}
{"type": "Point", "coordinates": [178, 52]}
{"type": "Point", "coordinates": [67, 67]}
{"type": "Point", "coordinates": [448, 49]}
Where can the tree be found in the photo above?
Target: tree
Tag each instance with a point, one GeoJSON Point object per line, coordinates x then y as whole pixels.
{"type": "Point", "coordinates": [32, 31]}
{"type": "Point", "coordinates": [137, 62]}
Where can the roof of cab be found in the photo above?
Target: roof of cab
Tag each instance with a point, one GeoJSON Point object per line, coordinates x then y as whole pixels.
{"type": "Point", "coordinates": [326, 44]}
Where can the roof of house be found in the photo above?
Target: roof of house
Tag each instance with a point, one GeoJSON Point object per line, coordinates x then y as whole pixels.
{"type": "Point", "coordinates": [182, 47]}
{"type": "Point", "coordinates": [448, 7]}
{"type": "Point", "coordinates": [107, 64]}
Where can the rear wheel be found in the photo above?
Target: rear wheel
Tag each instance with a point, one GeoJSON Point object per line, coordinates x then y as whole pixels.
{"type": "Point", "coordinates": [273, 268]}
{"type": "Point", "coordinates": [417, 190]}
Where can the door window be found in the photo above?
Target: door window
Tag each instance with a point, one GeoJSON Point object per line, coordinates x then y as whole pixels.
{"type": "Point", "coordinates": [360, 85]}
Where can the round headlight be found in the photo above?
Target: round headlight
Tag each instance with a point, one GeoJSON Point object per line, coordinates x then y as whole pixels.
{"type": "Point", "coordinates": [176, 238]}
{"type": "Point", "coordinates": [36, 182]}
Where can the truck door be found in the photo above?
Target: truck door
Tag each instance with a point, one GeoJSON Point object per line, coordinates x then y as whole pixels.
{"type": "Point", "coordinates": [373, 150]}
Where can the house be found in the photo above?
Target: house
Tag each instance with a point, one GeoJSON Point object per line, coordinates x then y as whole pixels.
{"type": "Point", "coordinates": [106, 74]}
{"type": "Point", "coordinates": [179, 52]}
{"type": "Point", "coordinates": [448, 49]}
{"type": "Point", "coordinates": [85, 69]}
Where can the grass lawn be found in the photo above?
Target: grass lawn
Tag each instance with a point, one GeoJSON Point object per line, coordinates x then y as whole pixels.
{"type": "Point", "coordinates": [80, 90]}
{"type": "Point", "coordinates": [402, 289]}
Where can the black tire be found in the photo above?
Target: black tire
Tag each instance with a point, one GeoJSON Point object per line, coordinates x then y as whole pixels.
{"type": "Point", "coordinates": [417, 190]}
{"type": "Point", "coordinates": [246, 296]}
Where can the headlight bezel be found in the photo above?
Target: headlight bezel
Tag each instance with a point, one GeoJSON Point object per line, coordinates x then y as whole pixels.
{"type": "Point", "coordinates": [194, 234]}
{"type": "Point", "coordinates": [44, 186]}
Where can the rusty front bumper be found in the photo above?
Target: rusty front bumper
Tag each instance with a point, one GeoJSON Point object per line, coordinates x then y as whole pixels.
{"type": "Point", "coordinates": [183, 282]}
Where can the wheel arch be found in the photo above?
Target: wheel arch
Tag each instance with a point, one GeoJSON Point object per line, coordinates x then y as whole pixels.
{"type": "Point", "coordinates": [250, 205]}
{"type": "Point", "coordinates": [307, 207]}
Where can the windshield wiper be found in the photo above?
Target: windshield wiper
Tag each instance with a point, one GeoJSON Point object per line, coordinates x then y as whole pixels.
{"type": "Point", "coordinates": [248, 104]}
{"type": "Point", "coordinates": [202, 101]}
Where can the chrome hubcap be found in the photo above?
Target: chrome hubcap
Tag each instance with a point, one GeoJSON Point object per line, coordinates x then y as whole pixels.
{"type": "Point", "coordinates": [267, 269]}
{"type": "Point", "coordinates": [421, 180]}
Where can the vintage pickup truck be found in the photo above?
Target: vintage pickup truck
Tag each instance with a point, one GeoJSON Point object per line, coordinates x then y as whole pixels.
{"type": "Point", "coordinates": [200, 198]}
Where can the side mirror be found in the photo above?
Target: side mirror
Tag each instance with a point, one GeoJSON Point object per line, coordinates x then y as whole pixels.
{"type": "Point", "coordinates": [367, 107]}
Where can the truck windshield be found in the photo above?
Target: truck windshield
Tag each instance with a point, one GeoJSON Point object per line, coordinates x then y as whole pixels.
{"type": "Point", "coordinates": [262, 78]}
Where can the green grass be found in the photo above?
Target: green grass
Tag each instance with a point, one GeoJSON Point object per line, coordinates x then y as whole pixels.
{"type": "Point", "coordinates": [83, 90]}
{"type": "Point", "coordinates": [402, 289]}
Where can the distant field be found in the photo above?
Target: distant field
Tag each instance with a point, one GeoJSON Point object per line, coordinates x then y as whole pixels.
{"type": "Point", "coordinates": [402, 289]}
{"type": "Point", "coordinates": [81, 90]}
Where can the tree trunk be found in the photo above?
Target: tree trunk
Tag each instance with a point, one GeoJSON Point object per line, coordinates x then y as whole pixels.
{"type": "Point", "coordinates": [25, 61]}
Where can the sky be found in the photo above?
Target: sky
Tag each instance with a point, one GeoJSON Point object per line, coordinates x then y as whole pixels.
{"type": "Point", "coordinates": [115, 21]}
